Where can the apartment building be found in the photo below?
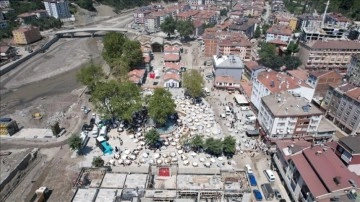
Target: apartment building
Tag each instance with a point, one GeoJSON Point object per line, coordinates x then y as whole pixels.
{"type": "Point", "coordinates": [285, 115]}
{"type": "Point", "coordinates": [235, 46]}
{"type": "Point", "coordinates": [342, 104]}
{"type": "Point", "coordinates": [308, 20]}
{"type": "Point", "coordinates": [206, 17]}
{"type": "Point", "coordinates": [271, 82]}
{"type": "Point", "coordinates": [328, 54]}
{"type": "Point", "coordinates": [348, 151]}
{"type": "Point", "coordinates": [141, 13]}
{"type": "Point", "coordinates": [228, 71]}
{"type": "Point", "coordinates": [26, 35]}
{"type": "Point", "coordinates": [314, 172]}
{"type": "Point", "coordinates": [187, 15]}
{"type": "Point", "coordinates": [245, 26]}
{"type": "Point", "coordinates": [337, 20]}
{"type": "Point", "coordinates": [278, 34]}
{"type": "Point", "coordinates": [154, 20]}
{"type": "Point", "coordinates": [353, 70]}
{"type": "Point", "coordinates": [320, 81]}
{"type": "Point", "coordinates": [59, 9]}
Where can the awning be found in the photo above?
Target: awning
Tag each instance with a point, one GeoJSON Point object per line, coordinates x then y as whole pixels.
{"type": "Point", "coordinates": [240, 99]}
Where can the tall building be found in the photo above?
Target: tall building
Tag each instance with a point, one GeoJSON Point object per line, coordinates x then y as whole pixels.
{"type": "Point", "coordinates": [328, 54]}
{"type": "Point", "coordinates": [349, 152]}
{"type": "Point", "coordinates": [26, 35]}
{"type": "Point", "coordinates": [353, 73]}
{"type": "Point", "coordinates": [320, 81]}
{"type": "Point", "coordinates": [59, 9]}
{"type": "Point", "coordinates": [342, 104]}
{"type": "Point", "coordinates": [271, 82]}
{"type": "Point", "coordinates": [284, 115]}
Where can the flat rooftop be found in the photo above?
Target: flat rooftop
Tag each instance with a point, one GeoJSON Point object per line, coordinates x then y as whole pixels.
{"type": "Point", "coordinates": [165, 182]}
{"type": "Point", "coordinates": [107, 195]}
{"type": "Point", "coordinates": [84, 195]}
{"type": "Point", "coordinates": [113, 180]}
{"type": "Point", "coordinates": [199, 182]}
{"type": "Point", "coordinates": [35, 133]}
{"type": "Point", "coordinates": [135, 181]}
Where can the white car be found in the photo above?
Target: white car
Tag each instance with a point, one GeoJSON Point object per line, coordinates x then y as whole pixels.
{"type": "Point", "coordinates": [223, 116]}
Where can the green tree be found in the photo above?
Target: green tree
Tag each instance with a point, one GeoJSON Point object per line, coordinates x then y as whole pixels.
{"type": "Point", "coordinates": [229, 146]}
{"type": "Point", "coordinates": [257, 32]}
{"type": "Point", "coordinates": [185, 28]}
{"type": "Point", "coordinates": [197, 143]}
{"type": "Point", "coordinates": [213, 146]}
{"type": "Point", "coordinates": [132, 53]}
{"type": "Point", "coordinates": [90, 75]}
{"type": "Point", "coordinates": [75, 142]}
{"type": "Point", "coordinates": [152, 137]}
{"type": "Point", "coordinates": [168, 26]}
{"type": "Point", "coordinates": [116, 99]}
{"type": "Point", "coordinates": [265, 28]}
{"type": "Point", "coordinates": [46, 23]}
{"type": "Point", "coordinates": [161, 106]}
{"type": "Point", "coordinates": [86, 4]}
{"type": "Point", "coordinates": [113, 46]}
{"type": "Point", "coordinates": [291, 62]}
{"type": "Point", "coordinates": [120, 68]}
{"type": "Point", "coordinates": [193, 83]}
{"type": "Point", "coordinates": [97, 162]}
{"type": "Point", "coordinates": [223, 12]}
{"type": "Point", "coordinates": [292, 48]}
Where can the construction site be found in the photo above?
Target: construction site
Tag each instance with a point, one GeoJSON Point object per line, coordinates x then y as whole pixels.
{"type": "Point", "coordinates": [161, 183]}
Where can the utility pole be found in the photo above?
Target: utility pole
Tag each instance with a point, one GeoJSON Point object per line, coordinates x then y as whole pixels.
{"type": "Point", "coordinates": [326, 8]}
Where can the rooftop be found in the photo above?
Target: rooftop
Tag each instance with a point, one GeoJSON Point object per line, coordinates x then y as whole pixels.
{"type": "Point", "coordinates": [352, 143]}
{"type": "Point", "coordinates": [171, 65]}
{"type": "Point", "coordinates": [277, 82]}
{"type": "Point", "coordinates": [325, 126]}
{"type": "Point", "coordinates": [349, 90]}
{"type": "Point", "coordinates": [135, 181]}
{"type": "Point", "coordinates": [171, 76]}
{"type": "Point", "coordinates": [107, 195]}
{"type": "Point", "coordinates": [333, 44]}
{"type": "Point", "coordinates": [319, 74]}
{"type": "Point", "coordinates": [171, 49]}
{"type": "Point", "coordinates": [286, 104]}
{"type": "Point", "coordinates": [279, 29]}
{"type": "Point", "coordinates": [225, 79]}
{"type": "Point", "coordinates": [251, 65]}
{"type": "Point", "coordinates": [137, 72]}
{"type": "Point", "coordinates": [113, 180]}
{"type": "Point", "coordinates": [199, 182]}
{"type": "Point", "coordinates": [85, 195]}
{"type": "Point", "coordinates": [230, 61]}
{"type": "Point", "coordinates": [300, 74]}
{"type": "Point", "coordinates": [171, 57]}
{"type": "Point", "coordinates": [338, 17]}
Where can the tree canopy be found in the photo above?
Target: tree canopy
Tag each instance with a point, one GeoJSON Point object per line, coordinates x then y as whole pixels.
{"type": "Point", "coordinates": [113, 98]}
{"type": "Point", "coordinates": [75, 142]}
{"type": "Point", "coordinates": [213, 146]}
{"type": "Point", "coordinates": [152, 137]}
{"type": "Point", "coordinates": [185, 28]}
{"type": "Point", "coordinates": [229, 146]}
{"type": "Point", "coordinates": [85, 4]}
{"type": "Point", "coordinates": [269, 58]}
{"type": "Point", "coordinates": [257, 32]}
{"type": "Point", "coordinates": [193, 83]}
{"type": "Point", "coordinates": [121, 53]}
{"type": "Point", "coordinates": [125, 4]}
{"type": "Point", "coordinates": [97, 162]}
{"type": "Point", "coordinates": [46, 23]}
{"type": "Point", "coordinates": [223, 12]}
{"type": "Point", "coordinates": [197, 143]}
{"type": "Point", "coordinates": [90, 75]}
{"type": "Point", "coordinates": [292, 48]}
{"type": "Point", "coordinates": [168, 26]}
{"type": "Point", "coordinates": [161, 105]}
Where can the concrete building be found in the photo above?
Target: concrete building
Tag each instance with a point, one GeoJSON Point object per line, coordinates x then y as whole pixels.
{"type": "Point", "coordinates": [228, 71]}
{"type": "Point", "coordinates": [320, 81]}
{"type": "Point", "coordinates": [342, 104]}
{"type": "Point", "coordinates": [239, 46]}
{"type": "Point", "coordinates": [59, 9]}
{"type": "Point", "coordinates": [286, 19]}
{"type": "Point", "coordinates": [245, 26]}
{"type": "Point", "coordinates": [348, 151]}
{"type": "Point", "coordinates": [271, 82]}
{"type": "Point", "coordinates": [314, 173]}
{"type": "Point", "coordinates": [141, 13]}
{"type": "Point", "coordinates": [4, 3]}
{"type": "Point", "coordinates": [353, 70]}
{"type": "Point", "coordinates": [252, 69]}
{"type": "Point", "coordinates": [6, 53]}
{"type": "Point", "coordinates": [278, 34]}
{"type": "Point", "coordinates": [26, 35]}
{"type": "Point", "coordinates": [284, 115]}
{"type": "Point", "coordinates": [152, 23]}
{"type": "Point", "coordinates": [328, 54]}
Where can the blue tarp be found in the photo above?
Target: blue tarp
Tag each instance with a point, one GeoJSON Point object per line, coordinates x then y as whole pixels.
{"type": "Point", "coordinates": [252, 180]}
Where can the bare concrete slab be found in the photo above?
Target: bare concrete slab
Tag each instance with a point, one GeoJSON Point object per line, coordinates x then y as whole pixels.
{"type": "Point", "coordinates": [84, 195]}
{"type": "Point", "coordinates": [107, 195]}
{"type": "Point", "coordinates": [113, 180]}
{"type": "Point", "coordinates": [136, 181]}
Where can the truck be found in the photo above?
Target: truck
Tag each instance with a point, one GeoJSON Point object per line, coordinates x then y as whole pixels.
{"type": "Point", "coordinates": [42, 194]}
{"type": "Point", "coordinates": [267, 191]}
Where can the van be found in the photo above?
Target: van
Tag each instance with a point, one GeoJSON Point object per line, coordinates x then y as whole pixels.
{"type": "Point", "coordinates": [269, 175]}
{"type": "Point", "coordinates": [267, 191]}
{"type": "Point", "coordinates": [244, 108]}
{"type": "Point", "coordinates": [248, 168]}
{"type": "Point", "coordinates": [103, 131]}
{"type": "Point", "coordinates": [227, 110]}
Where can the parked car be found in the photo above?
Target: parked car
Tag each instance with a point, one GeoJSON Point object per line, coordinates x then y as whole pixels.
{"type": "Point", "coordinates": [257, 195]}
{"type": "Point", "coordinates": [277, 194]}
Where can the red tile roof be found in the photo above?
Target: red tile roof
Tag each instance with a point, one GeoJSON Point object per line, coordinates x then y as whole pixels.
{"type": "Point", "coordinates": [246, 88]}
{"type": "Point", "coordinates": [319, 74]}
{"type": "Point", "coordinates": [328, 166]}
{"type": "Point", "coordinates": [309, 176]}
{"type": "Point", "coordinates": [171, 57]}
{"type": "Point", "coordinates": [171, 49]}
{"type": "Point", "coordinates": [173, 76]}
{"type": "Point", "coordinates": [267, 77]}
{"type": "Point", "coordinates": [171, 65]}
{"type": "Point", "coordinates": [137, 72]}
{"type": "Point", "coordinates": [147, 59]}
{"type": "Point", "coordinates": [334, 44]}
{"type": "Point", "coordinates": [225, 79]}
{"type": "Point", "coordinates": [251, 65]}
{"type": "Point", "coordinates": [354, 93]}
{"type": "Point", "coordinates": [299, 74]}
{"type": "Point", "coordinates": [279, 29]}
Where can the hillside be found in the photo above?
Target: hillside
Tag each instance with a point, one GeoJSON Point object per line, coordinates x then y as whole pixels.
{"type": "Point", "coordinates": [350, 8]}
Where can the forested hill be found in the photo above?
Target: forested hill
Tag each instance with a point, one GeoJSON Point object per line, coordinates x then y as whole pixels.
{"type": "Point", "coordinates": [126, 4]}
{"type": "Point", "coordinates": [349, 8]}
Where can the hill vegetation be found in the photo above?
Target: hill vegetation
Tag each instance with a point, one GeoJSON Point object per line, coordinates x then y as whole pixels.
{"type": "Point", "coordinates": [125, 4]}
{"type": "Point", "coordinates": [349, 8]}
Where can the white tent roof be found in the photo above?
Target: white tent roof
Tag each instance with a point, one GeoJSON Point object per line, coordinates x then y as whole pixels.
{"type": "Point", "coordinates": [240, 99]}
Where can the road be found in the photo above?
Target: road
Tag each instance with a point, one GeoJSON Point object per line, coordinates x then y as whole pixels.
{"type": "Point", "coordinates": [267, 13]}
